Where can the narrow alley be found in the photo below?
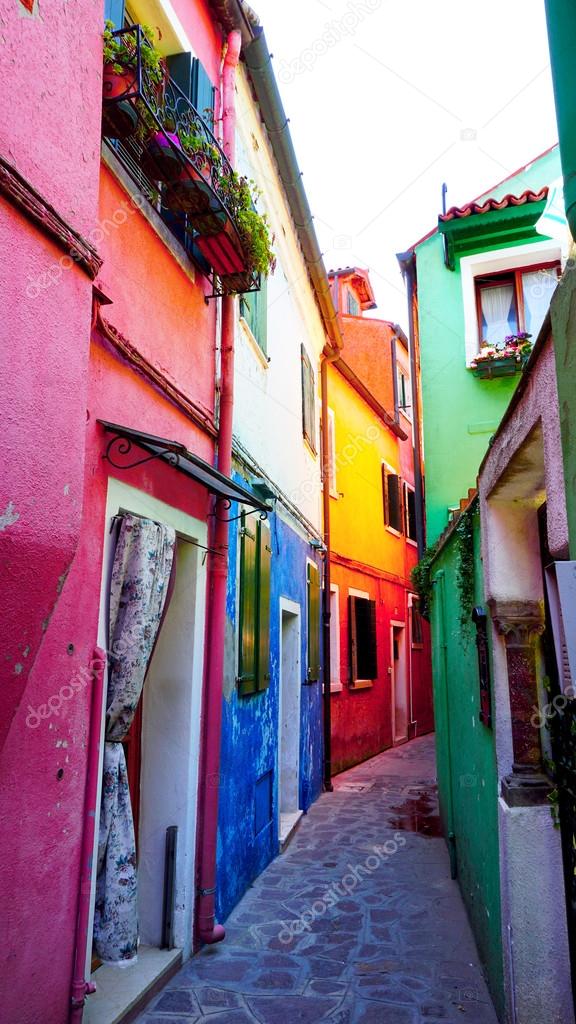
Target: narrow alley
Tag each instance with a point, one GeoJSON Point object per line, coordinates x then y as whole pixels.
{"type": "Point", "coordinates": [358, 922]}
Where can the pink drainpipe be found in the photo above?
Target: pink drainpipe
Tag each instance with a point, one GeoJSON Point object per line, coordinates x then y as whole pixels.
{"type": "Point", "coordinates": [208, 931]}
{"type": "Point", "coordinates": [80, 987]}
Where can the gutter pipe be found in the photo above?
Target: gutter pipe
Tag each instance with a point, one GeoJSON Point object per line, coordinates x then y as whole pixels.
{"type": "Point", "coordinates": [80, 987]}
{"type": "Point", "coordinates": [207, 930]}
{"type": "Point", "coordinates": [407, 261]}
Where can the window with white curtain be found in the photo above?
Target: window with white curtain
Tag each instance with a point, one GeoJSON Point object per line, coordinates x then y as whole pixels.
{"type": "Point", "coordinates": [514, 302]}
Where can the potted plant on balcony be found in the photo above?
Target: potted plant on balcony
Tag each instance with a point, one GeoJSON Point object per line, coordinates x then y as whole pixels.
{"type": "Point", "coordinates": [121, 116]}
{"type": "Point", "coordinates": [502, 360]}
{"type": "Point", "coordinates": [243, 246]}
{"type": "Point", "coordinates": [193, 191]}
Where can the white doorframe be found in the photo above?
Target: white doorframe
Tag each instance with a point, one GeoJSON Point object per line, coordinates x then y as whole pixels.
{"type": "Point", "coordinates": [395, 624]}
{"type": "Point", "coordinates": [289, 693]}
{"type": "Point", "coordinates": [122, 496]}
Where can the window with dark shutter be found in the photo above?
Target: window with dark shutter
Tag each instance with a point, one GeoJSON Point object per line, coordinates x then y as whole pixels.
{"type": "Point", "coordinates": [308, 400]}
{"type": "Point", "coordinates": [254, 607]}
{"type": "Point", "coordinates": [410, 512]}
{"type": "Point", "coordinates": [314, 597]}
{"type": "Point", "coordinates": [362, 637]}
{"type": "Point", "coordinates": [392, 493]}
{"type": "Point", "coordinates": [416, 631]}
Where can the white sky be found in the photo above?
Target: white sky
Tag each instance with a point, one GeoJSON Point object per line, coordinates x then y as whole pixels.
{"type": "Point", "coordinates": [388, 99]}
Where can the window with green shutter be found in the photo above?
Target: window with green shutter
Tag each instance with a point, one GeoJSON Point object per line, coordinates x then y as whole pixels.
{"type": "Point", "coordinates": [308, 399]}
{"type": "Point", "coordinates": [254, 309]}
{"type": "Point", "coordinates": [314, 598]}
{"type": "Point", "coordinates": [362, 636]}
{"type": "Point", "coordinates": [254, 607]}
{"type": "Point", "coordinates": [393, 504]}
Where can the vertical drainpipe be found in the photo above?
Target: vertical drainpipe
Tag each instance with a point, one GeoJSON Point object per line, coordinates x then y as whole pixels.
{"type": "Point", "coordinates": [407, 261]}
{"type": "Point", "coordinates": [561, 19]}
{"type": "Point", "coordinates": [208, 931]}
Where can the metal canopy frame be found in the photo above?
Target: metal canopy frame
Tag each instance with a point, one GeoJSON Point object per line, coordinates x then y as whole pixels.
{"type": "Point", "coordinates": [119, 454]}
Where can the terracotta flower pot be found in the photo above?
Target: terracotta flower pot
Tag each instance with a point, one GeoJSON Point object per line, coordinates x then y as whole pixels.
{"type": "Point", "coordinates": [192, 194]}
{"type": "Point", "coordinates": [223, 250]}
{"type": "Point", "coordinates": [160, 160]}
{"type": "Point", "coordinates": [119, 116]}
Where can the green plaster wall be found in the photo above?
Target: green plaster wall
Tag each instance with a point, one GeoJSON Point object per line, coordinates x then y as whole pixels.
{"type": "Point", "coordinates": [460, 412]}
{"type": "Point", "coordinates": [466, 759]}
{"type": "Point", "coordinates": [563, 313]}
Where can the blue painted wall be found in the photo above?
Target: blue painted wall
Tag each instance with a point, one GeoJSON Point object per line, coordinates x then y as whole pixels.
{"type": "Point", "coordinates": [249, 746]}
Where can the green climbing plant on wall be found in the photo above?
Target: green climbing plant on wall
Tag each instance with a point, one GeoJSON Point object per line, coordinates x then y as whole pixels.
{"type": "Point", "coordinates": [422, 579]}
{"type": "Point", "coordinates": [465, 573]}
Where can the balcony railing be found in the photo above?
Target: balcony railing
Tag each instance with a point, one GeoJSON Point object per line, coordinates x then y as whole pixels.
{"type": "Point", "coordinates": [175, 160]}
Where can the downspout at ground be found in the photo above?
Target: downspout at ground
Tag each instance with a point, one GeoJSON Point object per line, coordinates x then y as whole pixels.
{"type": "Point", "coordinates": [208, 931]}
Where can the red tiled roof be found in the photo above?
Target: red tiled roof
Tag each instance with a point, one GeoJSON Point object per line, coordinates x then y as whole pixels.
{"type": "Point", "coordinates": [457, 212]}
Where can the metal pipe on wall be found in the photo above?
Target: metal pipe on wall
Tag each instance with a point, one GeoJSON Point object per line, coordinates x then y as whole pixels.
{"type": "Point", "coordinates": [208, 930]}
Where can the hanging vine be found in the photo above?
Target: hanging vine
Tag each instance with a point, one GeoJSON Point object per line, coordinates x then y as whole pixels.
{"type": "Point", "coordinates": [465, 572]}
{"type": "Point", "coordinates": [422, 579]}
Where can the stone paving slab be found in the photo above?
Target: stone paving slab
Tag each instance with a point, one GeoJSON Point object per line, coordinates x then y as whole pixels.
{"type": "Point", "coordinates": [358, 922]}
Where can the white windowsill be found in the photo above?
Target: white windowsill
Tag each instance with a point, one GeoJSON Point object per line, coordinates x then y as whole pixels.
{"type": "Point", "coordinates": [257, 352]}
{"type": "Point", "coordinates": [395, 533]}
{"type": "Point", "coordinates": [336, 686]}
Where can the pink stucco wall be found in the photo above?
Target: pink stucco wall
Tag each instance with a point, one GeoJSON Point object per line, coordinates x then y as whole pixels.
{"type": "Point", "coordinates": [54, 385]}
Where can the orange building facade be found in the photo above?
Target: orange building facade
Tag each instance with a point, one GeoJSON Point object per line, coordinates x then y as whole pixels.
{"type": "Point", "coordinates": [380, 658]}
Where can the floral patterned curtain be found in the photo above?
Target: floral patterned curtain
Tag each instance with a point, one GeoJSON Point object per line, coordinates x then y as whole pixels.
{"type": "Point", "coordinates": [138, 594]}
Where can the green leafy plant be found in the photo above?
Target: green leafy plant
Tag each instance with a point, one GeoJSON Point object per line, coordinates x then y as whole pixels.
{"type": "Point", "coordinates": [241, 196]}
{"type": "Point", "coordinates": [422, 579]}
{"type": "Point", "coordinates": [121, 53]}
{"type": "Point", "coordinates": [465, 573]}
{"type": "Point", "coordinates": [193, 142]}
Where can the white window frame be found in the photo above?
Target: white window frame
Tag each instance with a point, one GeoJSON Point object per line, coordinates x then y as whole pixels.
{"type": "Point", "coordinates": [335, 680]}
{"type": "Point", "coordinates": [496, 262]}
{"type": "Point", "coordinates": [359, 684]}
{"type": "Point", "coordinates": [332, 453]}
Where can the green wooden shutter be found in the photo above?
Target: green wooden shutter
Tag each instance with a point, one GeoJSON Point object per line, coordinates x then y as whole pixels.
{"type": "Point", "coordinates": [254, 308]}
{"type": "Point", "coordinates": [114, 12]}
{"type": "Point", "coordinates": [264, 559]}
{"type": "Point", "coordinates": [314, 596]}
{"type": "Point", "coordinates": [180, 69]}
{"type": "Point", "coordinates": [247, 659]}
{"type": "Point", "coordinates": [202, 93]}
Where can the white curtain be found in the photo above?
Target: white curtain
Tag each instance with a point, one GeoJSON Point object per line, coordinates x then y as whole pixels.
{"type": "Point", "coordinates": [538, 287]}
{"type": "Point", "coordinates": [139, 592]}
{"type": "Point", "coordinates": [498, 313]}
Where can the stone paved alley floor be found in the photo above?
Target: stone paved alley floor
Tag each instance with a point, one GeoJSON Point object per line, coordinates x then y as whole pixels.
{"type": "Point", "coordinates": [394, 945]}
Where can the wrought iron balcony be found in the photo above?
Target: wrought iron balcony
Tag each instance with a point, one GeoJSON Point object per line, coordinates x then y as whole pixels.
{"type": "Point", "coordinates": [175, 160]}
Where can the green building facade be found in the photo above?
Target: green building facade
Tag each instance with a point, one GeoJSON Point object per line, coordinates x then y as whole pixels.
{"type": "Point", "coordinates": [481, 242]}
{"type": "Point", "coordinates": [465, 748]}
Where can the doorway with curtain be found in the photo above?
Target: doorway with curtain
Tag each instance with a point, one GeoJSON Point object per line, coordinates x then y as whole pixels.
{"type": "Point", "coordinates": [152, 615]}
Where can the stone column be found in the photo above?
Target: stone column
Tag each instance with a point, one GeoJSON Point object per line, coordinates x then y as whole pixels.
{"type": "Point", "coordinates": [521, 623]}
